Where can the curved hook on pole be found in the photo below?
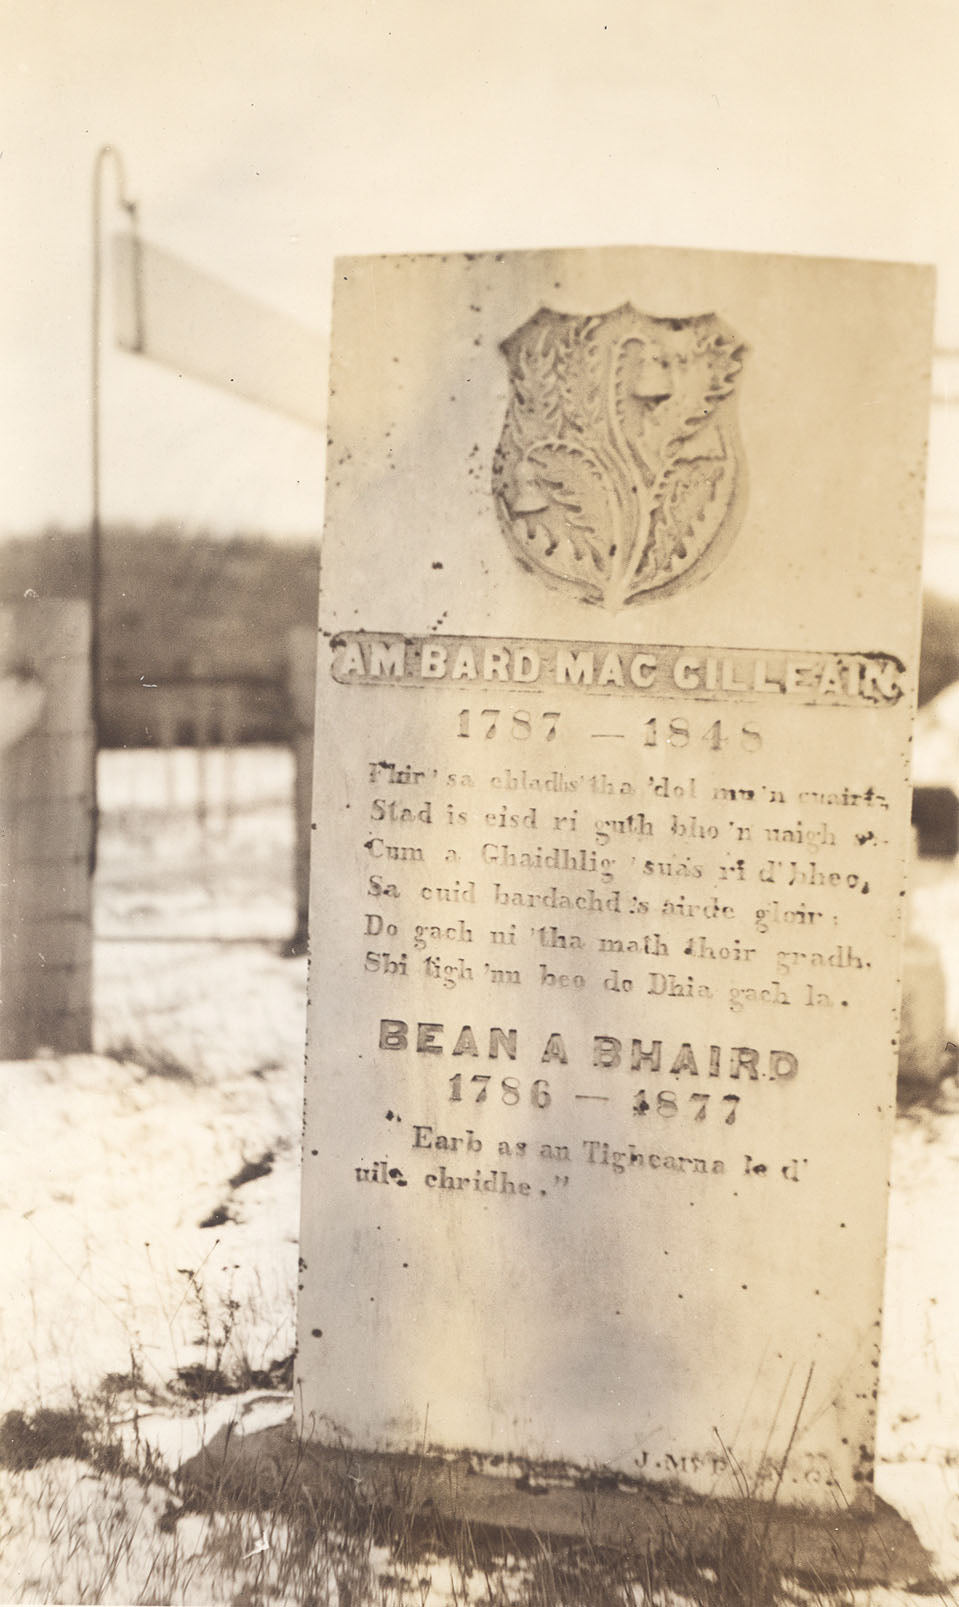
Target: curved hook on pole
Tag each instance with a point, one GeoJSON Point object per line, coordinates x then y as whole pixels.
{"type": "Point", "coordinates": [107, 154]}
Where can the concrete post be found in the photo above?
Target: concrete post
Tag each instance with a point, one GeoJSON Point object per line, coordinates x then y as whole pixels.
{"type": "Point", "coordinates": [45, 833]}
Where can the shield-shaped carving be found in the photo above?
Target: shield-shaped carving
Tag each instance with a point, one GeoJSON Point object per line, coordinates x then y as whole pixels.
{"type": "Point", "coordinates": [619, 473]}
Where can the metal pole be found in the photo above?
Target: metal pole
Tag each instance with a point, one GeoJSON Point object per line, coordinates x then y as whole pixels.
{"type": "Point", "coordinates": [106, 153]}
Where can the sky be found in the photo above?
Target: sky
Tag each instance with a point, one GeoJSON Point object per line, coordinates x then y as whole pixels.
{"type": "Point", "coordinates": [260, 141]}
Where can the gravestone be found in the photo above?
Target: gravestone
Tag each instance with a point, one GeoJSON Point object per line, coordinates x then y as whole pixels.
{"type": "Point", "coordinates": [617, 664]}
{"type": "Point", "coordinates": [923, 1039]}
{"type": "Point", "coordinates": [935, 815]}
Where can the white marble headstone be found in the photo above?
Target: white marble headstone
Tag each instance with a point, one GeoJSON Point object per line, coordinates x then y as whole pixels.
{"type": "Point", "coordinates": [617, 664]}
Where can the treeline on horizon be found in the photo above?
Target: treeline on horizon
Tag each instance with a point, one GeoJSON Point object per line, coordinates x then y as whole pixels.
{"type": "Point", "coordinates": [173, 604]}
{"type": "Point", "coordinates": [176, 605]}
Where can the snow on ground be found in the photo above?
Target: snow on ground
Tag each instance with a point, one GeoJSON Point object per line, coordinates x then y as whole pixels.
{"type": "Point", "coordinates": [111, 1164]}
{"type": "Point", "coordinates": [918, 1441]}
{"type": "Point", "coordinates": [149, 1192]}
{"type": "Point", "coordinates": [107, 1173]}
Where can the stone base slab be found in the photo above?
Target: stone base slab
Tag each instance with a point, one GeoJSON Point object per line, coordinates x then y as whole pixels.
{"type": "Point", "coordinates": [431, 1496]}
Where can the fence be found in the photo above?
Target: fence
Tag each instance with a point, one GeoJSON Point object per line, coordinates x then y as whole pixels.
{"type": "Point", "coordinates": [218, 785]}
{"type": "Point", "coordinates": [205, 836]}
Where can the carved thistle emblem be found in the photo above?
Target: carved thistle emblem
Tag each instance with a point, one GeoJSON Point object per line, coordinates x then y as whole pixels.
{"type": "Point", "coordinates": [619, 472]}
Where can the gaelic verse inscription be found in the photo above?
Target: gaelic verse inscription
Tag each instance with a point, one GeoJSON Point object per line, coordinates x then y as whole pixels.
{"type": "Point", "coordinates": [669, 873]}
